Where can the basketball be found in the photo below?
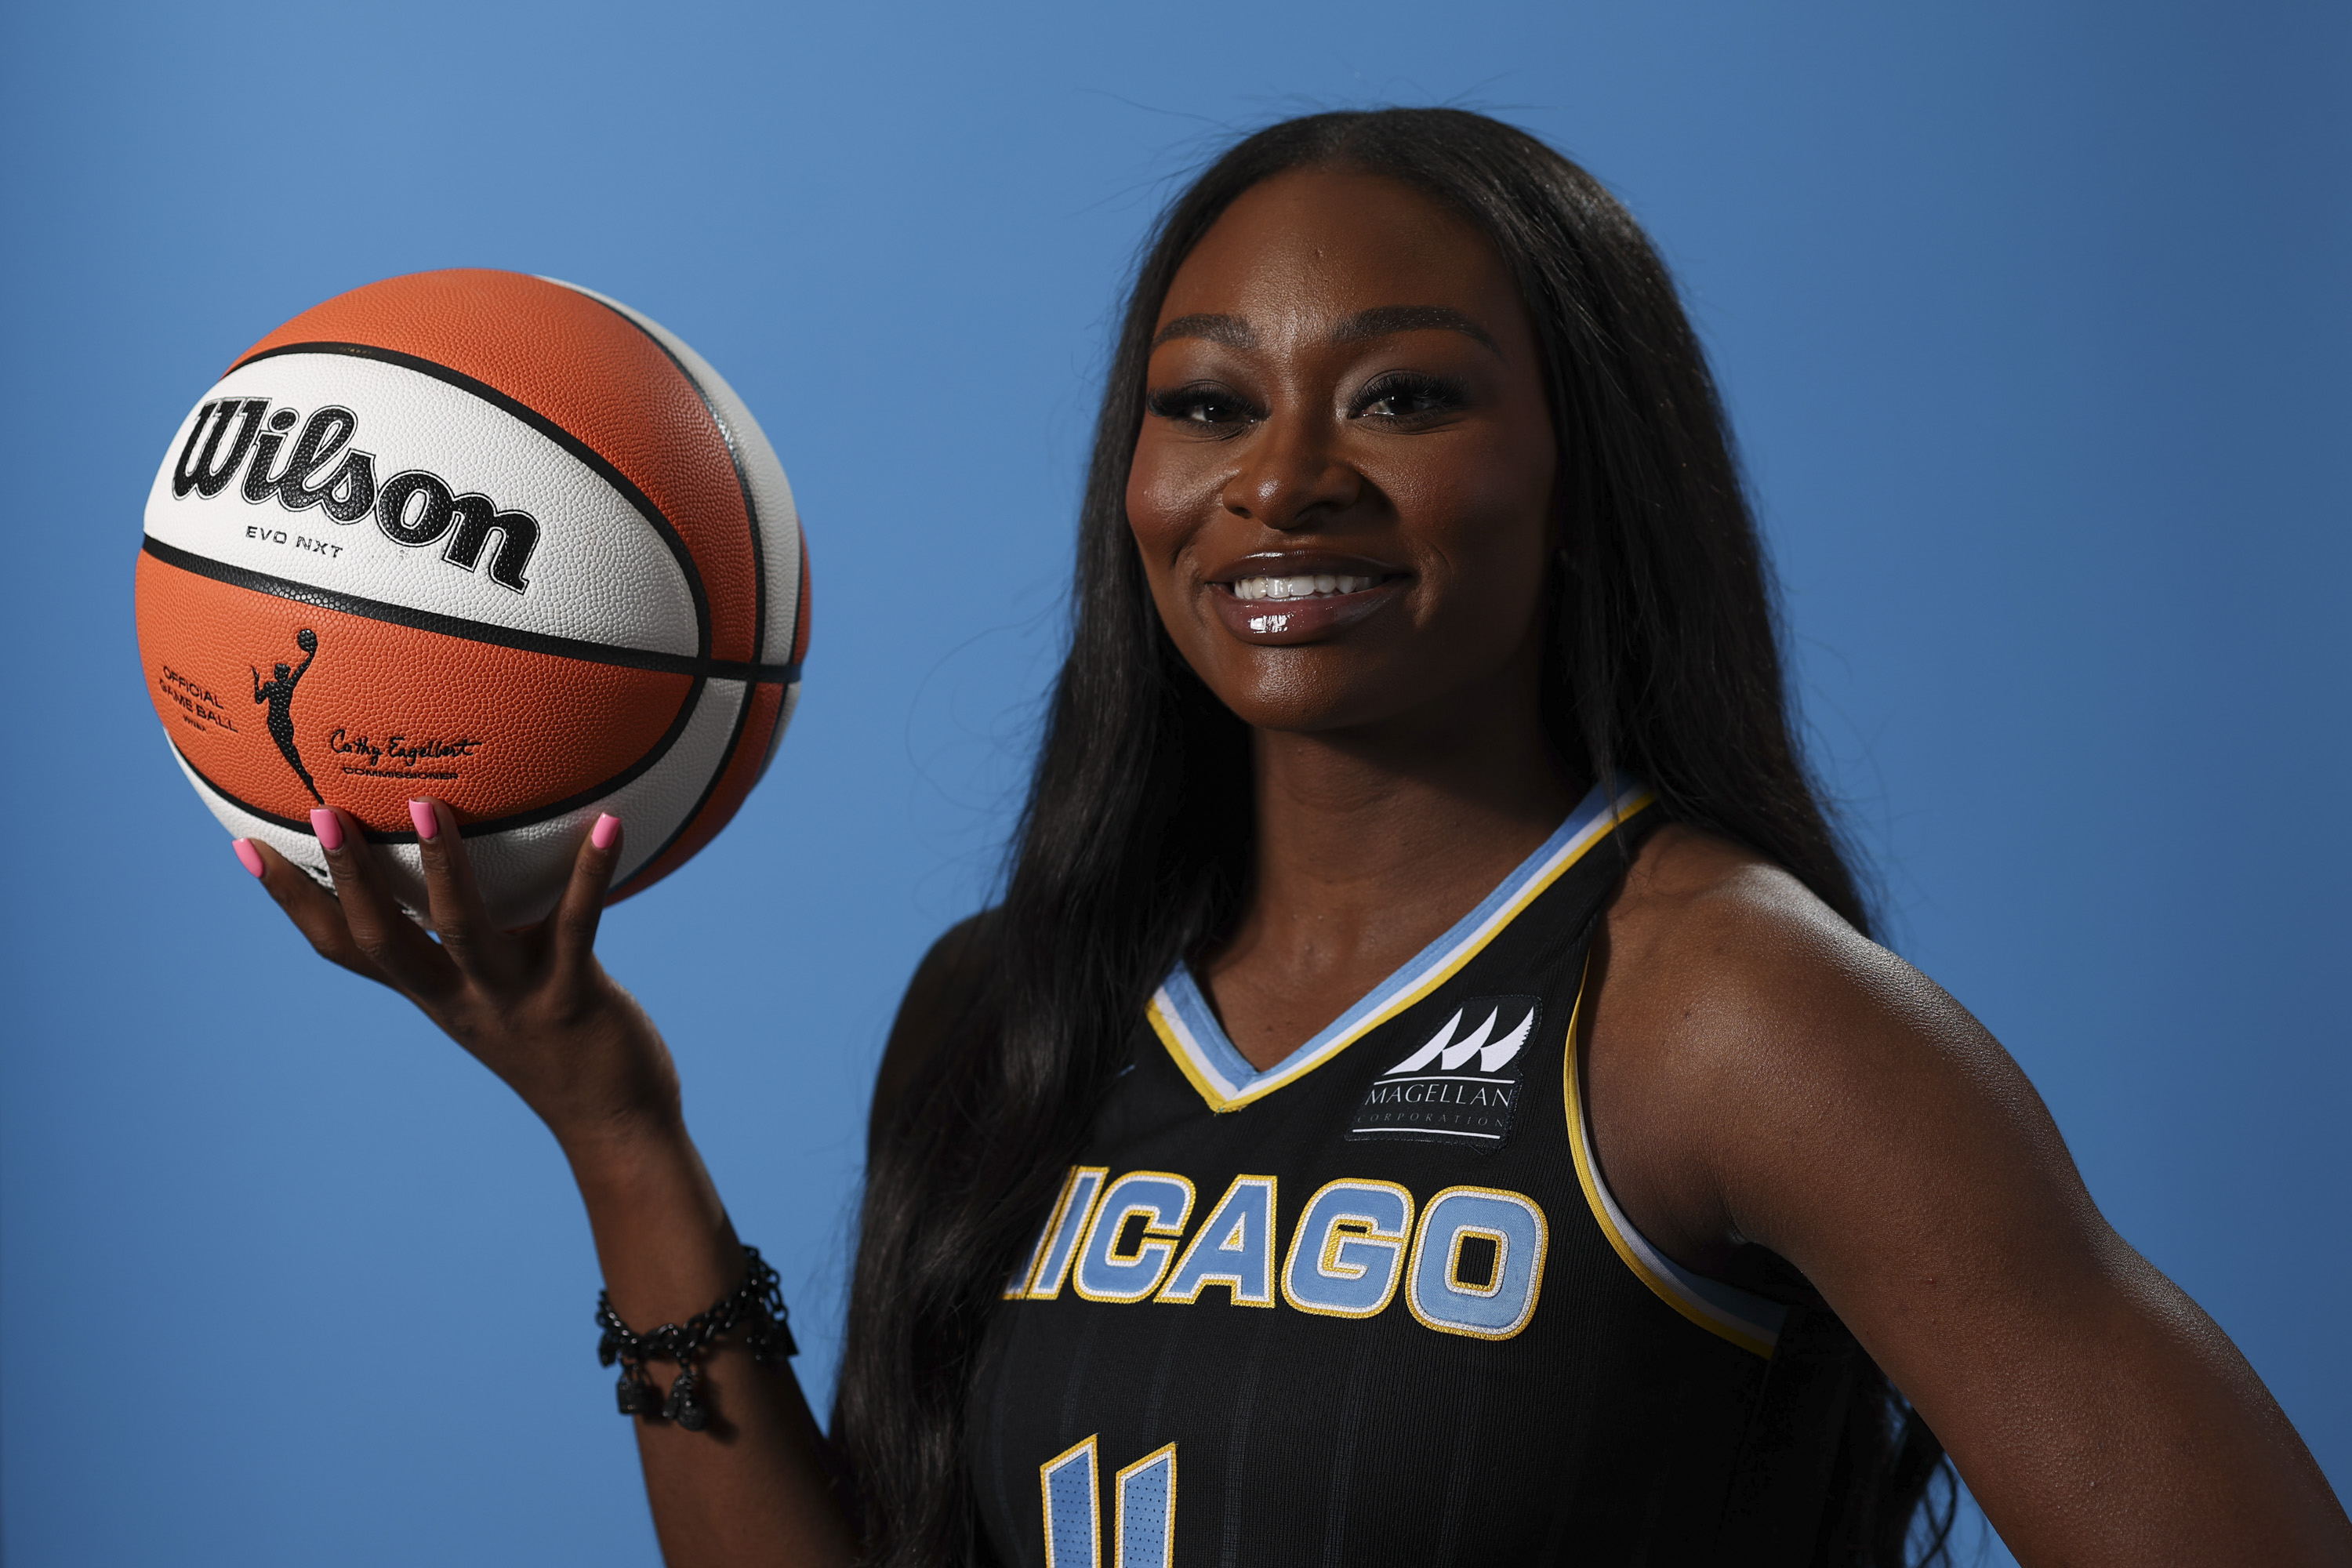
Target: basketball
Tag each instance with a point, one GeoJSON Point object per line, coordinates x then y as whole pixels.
{"type": "Point", "coordinates": [483, 536]}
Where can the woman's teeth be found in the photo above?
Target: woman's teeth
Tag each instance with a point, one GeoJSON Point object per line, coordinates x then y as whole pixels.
{"type": "Point", "coordinates": [1313, 586]}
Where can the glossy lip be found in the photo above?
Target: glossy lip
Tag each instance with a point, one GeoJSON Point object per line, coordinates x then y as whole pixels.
{"type": "Point", "coordinates": [1283, 623]}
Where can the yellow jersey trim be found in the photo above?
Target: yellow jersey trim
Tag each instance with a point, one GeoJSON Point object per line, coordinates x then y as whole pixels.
{"type": "Point", "coordinates": [1750, 1322]}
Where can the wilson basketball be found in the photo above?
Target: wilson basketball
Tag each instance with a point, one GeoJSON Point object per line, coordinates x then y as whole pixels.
{"type": "Point", "coordinates": [482, 536]}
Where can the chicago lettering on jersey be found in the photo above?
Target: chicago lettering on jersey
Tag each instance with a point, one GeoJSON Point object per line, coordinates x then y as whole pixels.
{"type": "Point", "coordinates": [1470, 1261]}
{"type": "Point", "coordinates": [322, 469]}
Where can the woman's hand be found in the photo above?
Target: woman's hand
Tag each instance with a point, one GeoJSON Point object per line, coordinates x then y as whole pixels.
{"type": "Point", "coordinates": [537, 1010]}
{"type": "Point", "coordinates": [532, 1006]}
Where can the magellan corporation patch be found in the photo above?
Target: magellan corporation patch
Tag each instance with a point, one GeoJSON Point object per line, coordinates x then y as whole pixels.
{"type": "Point", "coordinates": [1463, 1085]}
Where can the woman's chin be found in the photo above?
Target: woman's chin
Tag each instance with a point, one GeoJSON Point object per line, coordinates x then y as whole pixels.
{"type": "Point", "coordinates": [1317, 691]}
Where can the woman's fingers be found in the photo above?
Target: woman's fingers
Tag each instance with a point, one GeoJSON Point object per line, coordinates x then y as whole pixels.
{"type": "Point", "coordinates": [453, 898]}
{"type": "Point", "coordinates": [362, 927]}
{"type": "Point", "coordinates": [574, 919]}
{"type": "Point", "coordinates": [384, 935]}
{"type": "Point", "coordinates": [310, 906]}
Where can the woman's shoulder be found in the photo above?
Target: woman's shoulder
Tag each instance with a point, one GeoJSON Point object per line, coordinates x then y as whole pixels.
{"type": "Point", "coordinates": [1737, 1019]}
{"type": "Point", "coordinates": [946, 985]}
{"type": "Point", "coordinates": [1699, 922]}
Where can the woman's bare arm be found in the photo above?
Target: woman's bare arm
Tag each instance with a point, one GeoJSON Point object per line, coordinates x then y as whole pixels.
{"type": "Point", "coordinates": [537, 1009]}
{"type": "Point", "coordinates": [1762, 1073]}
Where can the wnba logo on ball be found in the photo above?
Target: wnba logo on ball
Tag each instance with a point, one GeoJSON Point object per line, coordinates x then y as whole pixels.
{"type": "Point", "coordinates": [413, 508]}
{"type": "Point", "coordinates": [276, 694]}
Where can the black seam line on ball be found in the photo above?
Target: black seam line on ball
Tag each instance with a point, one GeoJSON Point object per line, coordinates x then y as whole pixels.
{"type": "Point", "coordinates": [596, 461]}
{"type": "Point", "coordinates": [470, 630]}
{"type": "Point", "coordinates": [709, 788]}
{"type": "Point", "coordinates": [601, 790]}
{"type": "Point", "coordinates": [759, 596]}
{"type": "Point", "coordinates": [734, 456]}
{"type": "Point", "coordinates": [718, 775]}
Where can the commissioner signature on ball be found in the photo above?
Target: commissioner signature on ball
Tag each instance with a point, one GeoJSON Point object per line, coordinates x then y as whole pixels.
{"type": "Point", "coordinates": [408, 750]}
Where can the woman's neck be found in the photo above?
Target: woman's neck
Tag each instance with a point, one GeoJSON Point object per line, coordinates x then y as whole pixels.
{"type": "Point", "coordinates": [1370, 845]}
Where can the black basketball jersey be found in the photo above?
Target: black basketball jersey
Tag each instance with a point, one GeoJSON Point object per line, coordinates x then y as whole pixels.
{"type": "Point", "coordinates": [1375, 1304]}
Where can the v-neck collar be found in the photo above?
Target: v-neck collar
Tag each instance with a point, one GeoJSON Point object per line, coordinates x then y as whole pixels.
{"type": "Point", "coordinates": [1186, 1025]}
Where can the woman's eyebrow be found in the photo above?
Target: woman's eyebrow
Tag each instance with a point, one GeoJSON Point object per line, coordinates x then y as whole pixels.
{"type": "Point", "coordinates": [1383, 320]}
{"type": "Point", "coordinates": [1230, 330]}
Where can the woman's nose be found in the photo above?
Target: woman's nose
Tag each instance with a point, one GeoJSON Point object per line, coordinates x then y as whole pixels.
{"type": "Point", "coordinates": [1291, 476]}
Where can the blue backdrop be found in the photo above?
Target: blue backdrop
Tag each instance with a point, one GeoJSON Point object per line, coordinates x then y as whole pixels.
{"type": "Point", "coordinates": [2032, 322]}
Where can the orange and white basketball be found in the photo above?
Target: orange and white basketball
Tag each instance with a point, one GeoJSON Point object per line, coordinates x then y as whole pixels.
{"type": "Point", "coordinates": [482, 536]}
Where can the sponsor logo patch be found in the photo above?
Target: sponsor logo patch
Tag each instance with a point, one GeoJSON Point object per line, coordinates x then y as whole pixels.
{"type": "Point", "coordinates": [1463, 1085]}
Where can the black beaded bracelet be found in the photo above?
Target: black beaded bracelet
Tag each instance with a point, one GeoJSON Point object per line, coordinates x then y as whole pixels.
{"type": "Point", "coordinates": [767, 1335]}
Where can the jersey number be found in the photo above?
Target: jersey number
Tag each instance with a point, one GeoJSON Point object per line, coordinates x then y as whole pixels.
{"type": "Point", "coordinates": [1143, 1520]}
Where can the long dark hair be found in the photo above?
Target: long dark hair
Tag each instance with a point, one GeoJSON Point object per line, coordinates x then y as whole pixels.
{"type": "Point", "coordinates": [1135, 844]}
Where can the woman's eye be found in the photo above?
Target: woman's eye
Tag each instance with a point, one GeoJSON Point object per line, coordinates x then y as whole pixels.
{"type": "Point", "coordinates": [1407, 397]}
{"type": "Point", "coordinates": [1209, 406]}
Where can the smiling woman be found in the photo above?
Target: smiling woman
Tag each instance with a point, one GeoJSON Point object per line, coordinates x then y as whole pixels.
{"type": "Point", "coordinates": [1417, 408]}
{"type": "Point", "coordinates": [1427, 1094]}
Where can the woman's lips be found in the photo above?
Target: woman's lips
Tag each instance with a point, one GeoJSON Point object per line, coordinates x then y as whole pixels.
{"type": "Point", "coordinates": [1281, 609]}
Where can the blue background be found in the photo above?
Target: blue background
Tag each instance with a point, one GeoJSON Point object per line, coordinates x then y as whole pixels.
{"type": "Point", "coordinates": [2033, 319]}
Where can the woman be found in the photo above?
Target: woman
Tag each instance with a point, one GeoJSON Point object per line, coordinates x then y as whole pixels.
{"type": "Point", "coordinates": [1427, 1093]}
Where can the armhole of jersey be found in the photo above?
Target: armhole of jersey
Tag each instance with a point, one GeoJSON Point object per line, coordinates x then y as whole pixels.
{"type": "Point", "coordinates": [1747, 1320]}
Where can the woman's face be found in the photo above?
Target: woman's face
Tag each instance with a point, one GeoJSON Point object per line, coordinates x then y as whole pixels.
{"type": "Point", "coordinates": [1343, 487]}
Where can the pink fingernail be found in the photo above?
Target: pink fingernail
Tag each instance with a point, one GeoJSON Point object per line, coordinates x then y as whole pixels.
{"type": "Point", "coordinates": [427, 820]}
{"type": "Point", "coordinates": [607, 829]}
{"type": "Point", "coordinates": [328, 827]}
{"type": "Point", "coordinates": [246, 855]}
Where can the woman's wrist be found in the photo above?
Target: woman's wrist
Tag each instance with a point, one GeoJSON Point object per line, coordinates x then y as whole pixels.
{"type": "Point", "coordinates": [619, 1147]}
{"type": "Point", "coordinates": [604, 1083]}
{"type": "Point", "coordinates": [662, 1233]}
